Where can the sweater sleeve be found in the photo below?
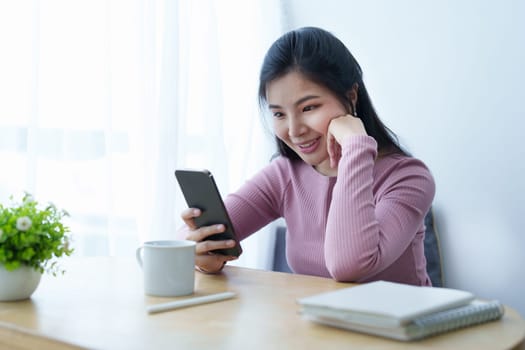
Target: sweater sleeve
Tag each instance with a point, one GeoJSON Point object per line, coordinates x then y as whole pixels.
{"type": "Point", "coordinates": [258, 201]}
{"type": "Point", "coordinates": [372, 221]}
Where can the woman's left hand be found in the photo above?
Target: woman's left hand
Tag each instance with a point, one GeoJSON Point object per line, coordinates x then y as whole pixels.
{"type": "Point", "coordinates": [339, 129]}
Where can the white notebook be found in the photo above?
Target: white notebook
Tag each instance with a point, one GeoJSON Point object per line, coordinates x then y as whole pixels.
{"type": "Point", "coordinates": [397, 310]}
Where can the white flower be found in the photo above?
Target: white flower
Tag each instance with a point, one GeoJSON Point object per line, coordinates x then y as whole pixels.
{"type": "Point", "coordinates": [23, 223]}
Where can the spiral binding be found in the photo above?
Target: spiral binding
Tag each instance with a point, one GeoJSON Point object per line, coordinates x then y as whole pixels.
{"type": "Point", "coordinates": [457, 318]}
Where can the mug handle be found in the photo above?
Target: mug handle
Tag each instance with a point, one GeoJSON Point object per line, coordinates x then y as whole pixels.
{"type": "Point", "coordinates": [138, 254]}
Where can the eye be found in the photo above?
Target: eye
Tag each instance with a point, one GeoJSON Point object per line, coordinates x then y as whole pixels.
{"type": "Point", "coordinates": [278, 115]}
{"type": "Point", "coordinates": [309, 108]}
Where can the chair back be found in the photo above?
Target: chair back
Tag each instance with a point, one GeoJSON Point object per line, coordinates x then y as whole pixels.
{"type": "Point", "coordinates": [433, 251]}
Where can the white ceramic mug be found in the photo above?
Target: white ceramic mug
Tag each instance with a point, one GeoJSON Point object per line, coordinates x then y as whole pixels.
{"type": "Point", "coordinates": [169, 267]}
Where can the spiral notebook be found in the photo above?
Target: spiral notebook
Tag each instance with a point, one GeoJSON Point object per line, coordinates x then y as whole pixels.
{"type": "Point", "coordinates": [399, 311]}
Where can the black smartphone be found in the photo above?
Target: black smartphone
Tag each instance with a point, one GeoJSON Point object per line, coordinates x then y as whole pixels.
{"type": "Point", "coordinates": [200, 191]}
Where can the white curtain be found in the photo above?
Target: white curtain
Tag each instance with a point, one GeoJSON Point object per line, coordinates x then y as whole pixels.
{"type": "Point", "coordinates": [101, 100]}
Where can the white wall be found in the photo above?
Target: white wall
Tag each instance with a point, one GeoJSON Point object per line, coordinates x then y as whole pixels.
{"type": "Point", "coordinates": [448, 77]}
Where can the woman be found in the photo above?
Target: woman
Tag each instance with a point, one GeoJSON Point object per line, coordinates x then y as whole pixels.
{"type": "Point", "coordinates": [353, 201]}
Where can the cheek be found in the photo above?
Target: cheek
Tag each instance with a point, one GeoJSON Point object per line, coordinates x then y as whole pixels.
{"type": "Point", "coordinates": [280, 129]}
{"type": "Point", "coordinates": [321, 122]}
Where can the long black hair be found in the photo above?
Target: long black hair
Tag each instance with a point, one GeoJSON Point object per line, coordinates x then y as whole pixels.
{"type": "Point", "coordinates": [325, 60]}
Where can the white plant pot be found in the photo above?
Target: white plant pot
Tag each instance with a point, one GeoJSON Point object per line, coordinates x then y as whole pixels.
{"type": "Point", "coordinates": [18, 284]}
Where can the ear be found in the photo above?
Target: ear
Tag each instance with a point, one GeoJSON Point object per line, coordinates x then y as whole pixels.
{"type": "Point", "coordinates": [352, 96]}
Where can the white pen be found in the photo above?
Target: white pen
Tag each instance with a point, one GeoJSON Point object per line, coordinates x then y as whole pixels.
{"type": "Point", "coordinates": [189, 302]}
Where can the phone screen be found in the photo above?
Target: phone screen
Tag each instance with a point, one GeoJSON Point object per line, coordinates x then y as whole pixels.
{"type": "Point", "coordinates": [200, 191]}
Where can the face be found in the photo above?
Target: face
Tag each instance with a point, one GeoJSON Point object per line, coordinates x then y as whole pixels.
{"type": "Point", "coordinates": [302, 111]}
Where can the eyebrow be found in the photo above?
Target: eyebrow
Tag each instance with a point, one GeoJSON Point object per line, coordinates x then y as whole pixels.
{"type": "Point", "coordinates": [298, 102]}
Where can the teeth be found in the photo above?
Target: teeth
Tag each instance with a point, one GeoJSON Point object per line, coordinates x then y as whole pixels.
{"type": "Point", "coordinates": [305, 145]}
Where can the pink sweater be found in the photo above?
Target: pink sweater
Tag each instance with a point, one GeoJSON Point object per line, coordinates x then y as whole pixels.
{"type": "Point", "coordinates": [365, 224]}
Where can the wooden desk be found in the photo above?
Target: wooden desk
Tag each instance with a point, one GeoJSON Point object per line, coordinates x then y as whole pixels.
{"type": "Point", "coordinates": [99, 303]}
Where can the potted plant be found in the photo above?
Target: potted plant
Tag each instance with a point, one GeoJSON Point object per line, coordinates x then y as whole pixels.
{"type": "Point", "coordinates": [32, 238]}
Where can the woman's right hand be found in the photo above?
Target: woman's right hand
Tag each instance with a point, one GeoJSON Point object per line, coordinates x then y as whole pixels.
{"type": "Point", "coordinates": [205, 259]}
{"type": "Point", "coordinates": [340, 128]}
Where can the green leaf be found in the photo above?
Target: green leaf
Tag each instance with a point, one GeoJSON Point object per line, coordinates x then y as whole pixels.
{"type": "Point", "coordinates": [12, 265]}
{"type": "Point", "coordinates": [43, 242]}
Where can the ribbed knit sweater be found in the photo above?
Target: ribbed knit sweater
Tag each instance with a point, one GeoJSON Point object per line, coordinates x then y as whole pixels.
{"type": "Point", "coordinates": [365, 224]}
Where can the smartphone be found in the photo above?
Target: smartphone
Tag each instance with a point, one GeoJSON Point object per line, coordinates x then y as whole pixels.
{"type": "Point", "coordinates": [200, 191]}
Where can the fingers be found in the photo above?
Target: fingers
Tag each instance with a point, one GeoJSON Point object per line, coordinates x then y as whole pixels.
{"type": "Point", "coordinates": [204, 232]}
{"type": "Point", "coordinates": [332, 149]}
{"type": "Point", "coordinates": [209, 262]}
{"type": "Point", "coordinates": [329, 147]}
{"type": "Point", "coordinates": [345, 126]}
{"type": "Point", "coordinates": [200, 235]}
{"type": "Point", "coordinates": [187, 216]}
{"type": "Point", "coordinates": [336, 156]}
{"type": "Point", "coordinates": [204, 245]}
{"type": "Point", "coordinates": [212, 263]}
{"type": "Point", "coordinates": [340, 128]}
{"type": "Point", "coordinates": [208, 246]}
{"type": "Point", "coordinates": [205, 259]}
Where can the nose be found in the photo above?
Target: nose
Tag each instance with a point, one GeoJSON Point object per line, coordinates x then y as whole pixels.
{"type": "Point", "coordinates": [295, 127]}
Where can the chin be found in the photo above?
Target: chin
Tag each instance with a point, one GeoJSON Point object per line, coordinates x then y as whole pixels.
{"type": "Point", "coordinates": [313, 162]}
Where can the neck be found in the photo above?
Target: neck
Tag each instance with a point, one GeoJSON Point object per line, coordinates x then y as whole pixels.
{"type": "Point", "coordinates": [325, 169]}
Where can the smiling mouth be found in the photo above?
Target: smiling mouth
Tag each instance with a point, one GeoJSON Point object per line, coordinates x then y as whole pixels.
{"type": "Point", "coordinates": [309, 147]}
{"type": "Point", "coordinates": [306, 145]}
